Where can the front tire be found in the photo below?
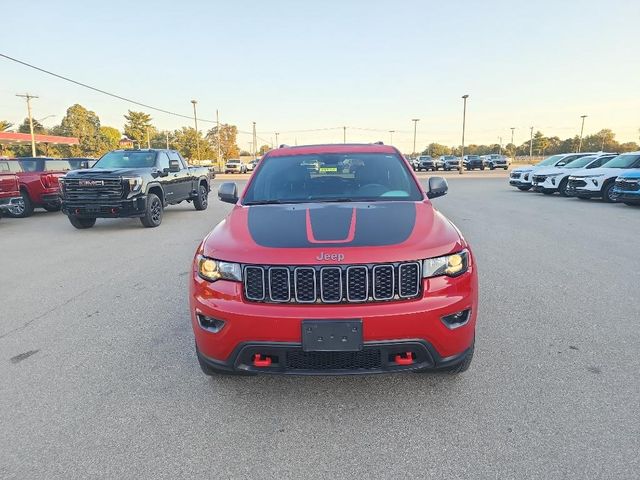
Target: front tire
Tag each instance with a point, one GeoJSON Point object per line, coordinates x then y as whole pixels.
{"type": "Point", "coordinates": [202, 200]}
{"type": "Point", "coordinates": [153, 215]}
{"type": "Point", "coordinates": [491, 167]}
{"type": "Point", "coordinates": [562, 188]}
{"type": "Point", "coordinates": [607, 192]}
{"type": "Point", "coordinates": [22, 209]}
{"type": "Point", "coordinates": [82, 223]}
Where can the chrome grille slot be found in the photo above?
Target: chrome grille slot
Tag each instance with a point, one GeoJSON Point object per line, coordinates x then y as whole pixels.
{"type": "Point", "coordinates": [357, 283]}
{"type": "Point", "coordinates": [305, 284]}
{"type": "Point", "coordinates": [104, 189]}
{"type": "Point", "coordinates": [331, 284]}
{"type": "Point", "coordinates": [409, 279]}
{"type": "Point", "coordinates": [279, 288]}
{"type": "Point", "coordinates": [383, 282]}
{"type": "Point", "coordinates": [254, 283]}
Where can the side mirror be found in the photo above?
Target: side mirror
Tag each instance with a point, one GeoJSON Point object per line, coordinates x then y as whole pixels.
{"type": "Point", "coordinates": [438, 187]}
{"type": "Point", "coordinates": [228, 192]}
{"type": "Point", "coordinates": [174, 166]}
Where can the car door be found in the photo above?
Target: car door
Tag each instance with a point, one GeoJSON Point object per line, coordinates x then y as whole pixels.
{"type": "Point", "coordinates": [168, 181]}
{"type": "Point", "coordinates": [182, 178]}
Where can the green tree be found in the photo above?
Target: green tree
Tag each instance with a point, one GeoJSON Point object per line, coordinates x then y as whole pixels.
{"type": "Point", "coordinates": [228, 141]}
{"type": "Point", "coordinates": [109, 139]}
{"type": "Point", "coordinates": [436, 150]}
{"type": "Point", "coordinates": [628, 147]}
{"type": "Point", "coordinates": [138, 126]}
{"type": "Point", "coordinates": [5, 125]}
{"type": "Point", "coordinates": [26, 128]}
{"type": "Point", "coordinates": [263, 149]}
{"type": "Point", "coordinates": [187, 142]}
{"type": "Point", "coordinates": [85, 125]}
{"type": "Point", "coordinates": [41, 148]}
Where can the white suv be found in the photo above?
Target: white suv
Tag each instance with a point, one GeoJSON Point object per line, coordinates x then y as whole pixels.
{"type": "Point", "coordinates": [599, 182]}
{"type": "Point", "coordinates": [521, 177]}
{"type": "Point", "coordinates": [549, 180]}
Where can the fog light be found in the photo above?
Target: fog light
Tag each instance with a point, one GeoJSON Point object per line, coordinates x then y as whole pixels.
{"type": "Point", "coordinates": [595, 182]}
{"type": "Point", "coordinates": [210, 324]}
{"type": "Point", "coordinates": [553, 181]}
{"type": "Point", "coordinates": [457, 319]}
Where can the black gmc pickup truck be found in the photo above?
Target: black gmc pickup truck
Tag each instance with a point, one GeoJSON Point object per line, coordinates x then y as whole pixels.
{"type": "Point", "coordinates": [132, 183]}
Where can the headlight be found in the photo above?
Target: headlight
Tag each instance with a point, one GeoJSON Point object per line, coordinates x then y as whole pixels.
{"type": "Point", "coordinates": [135, 183]}
{"type": "Point", "coordinates": [213, 270]}
{"type": "Point", "coordinates": [450, 265]}
{"type": "Point", "coordinates": [591, 176]}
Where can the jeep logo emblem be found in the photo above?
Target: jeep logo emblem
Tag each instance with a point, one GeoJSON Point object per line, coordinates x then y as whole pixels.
{"type": "Point", "coordinates": [336, 257]}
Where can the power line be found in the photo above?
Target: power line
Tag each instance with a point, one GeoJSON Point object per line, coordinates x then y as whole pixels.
{"type": "Point", "coordinates": [99, 90]}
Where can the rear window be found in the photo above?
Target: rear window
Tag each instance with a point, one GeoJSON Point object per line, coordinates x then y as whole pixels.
{"type": "Point", "coordinates": [332, 177]}
{"type": "Point", "coordinates": [57, 166]}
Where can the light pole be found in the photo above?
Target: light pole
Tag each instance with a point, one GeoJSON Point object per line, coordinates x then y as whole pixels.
{"type": "Point", "coordinates": [415, 129]}
{"type": "Point", "coordinates": [500, 138]}
{"type": "Point", "coordinates": [513, 144]}
{"type": "Point", "coordinates": [255, 142]}
{"type": "Point", "coordinates": [195, 119]}
{"type": "Point", "coordinates": [581, 131]}
{"type": "Point", "coordinates": [33, 136]}
{"type": "Point", "coordinates": [531, 145]}
{"type": "Point", "coordinates": [219, 161]}
{"type": "Point", "coordinates": [464, 124]}
{"type": "Point", "coordinates": [391, 132]}
{"type": "Point", "coordinates": [344, 134]}
{"type": "Point", "coordinates": [167, 136]}
{"type": "Point", "coordinates": [277, 144]}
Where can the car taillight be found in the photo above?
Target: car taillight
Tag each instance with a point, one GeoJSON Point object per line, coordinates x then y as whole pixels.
{"type": "Point", "coordinates": [50, 181]}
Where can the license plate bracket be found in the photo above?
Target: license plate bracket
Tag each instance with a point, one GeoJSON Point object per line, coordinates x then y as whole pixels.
{"type": "Point", "coordinates": [332, 335]}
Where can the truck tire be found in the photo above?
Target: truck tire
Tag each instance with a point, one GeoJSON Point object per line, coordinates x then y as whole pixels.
{"type": "Point", "coordinates": [153, 215]}
{"type": "Point", "coordinates": [23, 209]}
{"type": "Point", "coordinates": [82, 223]}
{"type": "Point", "coordinates": [482, 167]}
{"type": "Point", "coordinates": [492, 167]}
{"type": "Point", "coordinates": [201, 201]}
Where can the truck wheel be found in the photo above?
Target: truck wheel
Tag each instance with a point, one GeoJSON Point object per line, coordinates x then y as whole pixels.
{"type": "Point", "coordinates": [51, 208]}
{"type": "Point", "coordinates": [22, 209]}
{"type": "Point", "coordinates": [607, 192]}
{"type": "Point", "coordinates": [153, 216]}
{"type": "Point", "coordinates": [202, 200]}
{"type": "Point", "coordinates": [82, 223]}
{"type": "Point", "coordinates": [524, 189]}
{"type": "Point", "coordinates": [491, 167]}
{"type": "Point", "coordinates": [482, 167]}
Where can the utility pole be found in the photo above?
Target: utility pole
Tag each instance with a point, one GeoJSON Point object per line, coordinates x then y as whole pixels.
{"type": "Point", "coordinates": [344, 134]}
{"type": "Point", "coordinates": [415, 130]}
{"type": "Point", "coordinates": [464, 124]}
{"type": "Point", "coordinates": [500, 138]}
{"type": "Point", "coordinates": [277, 144]}
{"type": "Point", "coordinates": [219, 162]}
{"type": "Point", "coordinates": [195, 119]}
{"type": "Point", "coordinates": [391, 132]}
{"type": "Point", "coordinates": [513, 144]}
{"type": "Point", "coordinates": [33, 136]}
{"type": "Point", "coordinates": [167, 134]}
{"type": "Point", "coordinates": [531, 145]}
{"type": "Point", "coordinates": [148, 140]}
{"type": "Point", "coordinates": [581, 131]}
{"type": "Point", "coordinates": [255, 147]}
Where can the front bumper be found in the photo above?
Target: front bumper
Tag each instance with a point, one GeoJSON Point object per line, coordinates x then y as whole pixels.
{"type": "Point", "coordinates": [390, 327]}
{"type": "Point", "coordinates": [134, 207]}
{"type": "Point", "coordinates": [582, 192]}
{"type": "Point", "coordinates": [626, 196]}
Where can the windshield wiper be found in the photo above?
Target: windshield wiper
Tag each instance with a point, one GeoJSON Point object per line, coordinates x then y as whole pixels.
{"type": "Point", "coordinates": [265, 202]}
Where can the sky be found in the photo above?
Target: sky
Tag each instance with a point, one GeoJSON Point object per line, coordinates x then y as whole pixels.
{"type": "Point", "coordinates": [295, 66]}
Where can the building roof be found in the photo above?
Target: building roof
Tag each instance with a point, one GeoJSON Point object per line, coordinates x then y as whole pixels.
{"type": "Point", "coordinates": [11, 138]}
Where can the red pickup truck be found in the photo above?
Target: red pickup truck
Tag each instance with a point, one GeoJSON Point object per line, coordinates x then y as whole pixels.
{"type": "Point", "coordinates": [38, 182]}
{"type": "Point", "coordinates": [9, 191]}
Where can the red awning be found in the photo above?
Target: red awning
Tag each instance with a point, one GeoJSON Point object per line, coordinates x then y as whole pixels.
{"type": "Point", "coordinates": [10, 138]}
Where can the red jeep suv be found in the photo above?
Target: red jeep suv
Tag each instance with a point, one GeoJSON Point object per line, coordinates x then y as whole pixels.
{"type": "Point", "coordinates": [334, 261]}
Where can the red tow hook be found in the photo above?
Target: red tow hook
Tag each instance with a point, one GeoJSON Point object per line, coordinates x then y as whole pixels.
{"type": "Point", "coordinates": [404, 358]}
{"type": "Point", "coordinates": [260, 361]}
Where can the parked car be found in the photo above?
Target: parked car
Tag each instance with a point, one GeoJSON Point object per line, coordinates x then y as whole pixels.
{"type": "Point", "coordinates": [252, 165]}
{"type": "Point", "coordinates": [235, 166]}
{"type": "Point", "coordinates": [549, 180]}
{"type": "Point", "coordinates": [495, 160]}
{"type": "Point", "coordinates": [133, 183]}
{"type": "Point", "coordinates": [414, 162]}
{"type": "Point", "coordinates": [522, 177]}
{"type": "Point", "coordinates": [450, 162]}
{"type": "Point", "coordinates": [38, 179]}
{"type": "Point", "coordinates": [9, 191]}
{"type": "Point", "coordinates": [627, 188]}
{"type": "Point", "coordinates": [471, 162]}
{"type": "Point", "coordinates": [426, 162]}
{"type": "Point", "coordinates": [333, 273]}
{"type": "Point", "coordinates": [600, 182]}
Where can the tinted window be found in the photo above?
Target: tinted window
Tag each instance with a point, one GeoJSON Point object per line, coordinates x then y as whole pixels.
{"type": "Point", "coordinates": [629, 160]}
{"type": "Point", "coordinates": [175, 156]}
{"type": "Point", "coordinates": [163, 161]}
{"type": "Point", "coordinates": [550, 161]}
{"type": "Point", "coordinates": [332, 177]}
{"type": "Point", "coordinates": [127, 159]}
{"type": "Point", "coordinates": [57, 166]}
{"type": "Point", "coordinates": [4, 167]}
{"type": "Point", "coordinates": [32, 165]}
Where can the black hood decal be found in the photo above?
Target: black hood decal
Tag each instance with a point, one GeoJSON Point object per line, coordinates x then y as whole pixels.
{"type": "Point", "coordinates": [331, 225]}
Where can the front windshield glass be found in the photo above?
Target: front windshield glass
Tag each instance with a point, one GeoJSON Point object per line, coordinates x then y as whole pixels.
{"type": "Point", "coordinates": [549, 161]}
{"type": "Point", "coordinates": [623, 161]}
{"type": "Point", "coordinates": [581, 162]}
{"type": "Point", "coordinates": [126, 159]}
{"type": "Point", "coordinates": [332, 177]}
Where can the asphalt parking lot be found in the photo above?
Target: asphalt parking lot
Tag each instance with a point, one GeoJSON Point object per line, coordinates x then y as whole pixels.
{"type": "Point", "coordinates": [99, 376]}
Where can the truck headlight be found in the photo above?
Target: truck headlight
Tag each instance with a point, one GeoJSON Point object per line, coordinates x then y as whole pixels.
{"type": "Point", "coordinates": [212, 270]}
{"type": "Point", "coordinates": [450, 265]}
{"type": "Point", "coordinates": [135, 183]}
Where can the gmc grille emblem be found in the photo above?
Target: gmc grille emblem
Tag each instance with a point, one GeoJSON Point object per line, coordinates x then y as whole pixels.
{"type": "Point", "coordinates": [91, 183]}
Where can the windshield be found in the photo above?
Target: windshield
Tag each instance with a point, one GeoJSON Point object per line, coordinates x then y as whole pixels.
{"type": "Point", "coordinates": [549, 161]}
{"type": "Point", "coordinates": [233, 161]}
{"type": "Point", "coordinates": [472, 157]}
{"type": "Point", "coordinates": [125, 159]}
{"type": "Point", "coordinates": [624, 161]}
{"type": "Point", "coordinates": [332, 177]}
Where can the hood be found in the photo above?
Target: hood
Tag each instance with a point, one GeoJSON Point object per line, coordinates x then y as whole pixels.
{"type": "Point", "coordinates": [525, 169]}
{"type": "Point", "coordinates": [313, 233]}
{"type": "Point", "coordinates": [634, 174]}
{"type": "Point", "coordinates": [549, 170]}
{"type": "Point", "coordinates": [609, 172]}
{"type": "Point", "coordinates": [108, 172]}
